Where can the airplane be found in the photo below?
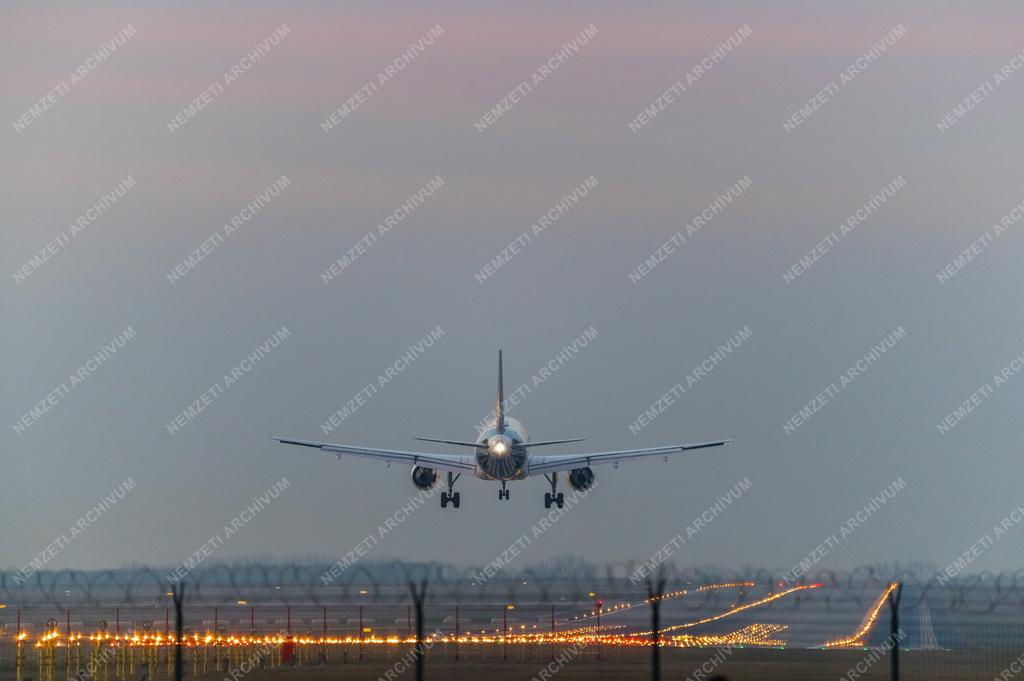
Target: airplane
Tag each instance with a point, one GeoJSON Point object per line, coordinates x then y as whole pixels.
{"type": "Point", "coordinates": [501, 453]}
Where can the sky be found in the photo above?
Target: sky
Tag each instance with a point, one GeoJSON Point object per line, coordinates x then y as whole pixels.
{"type": "Point", "coordinates": [802, 177]}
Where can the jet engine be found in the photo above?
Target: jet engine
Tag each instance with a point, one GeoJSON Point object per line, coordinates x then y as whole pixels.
{"type": "Point", "coordinates": [424, 478]}
{"type": "Point", "coordinates": [581, 479]}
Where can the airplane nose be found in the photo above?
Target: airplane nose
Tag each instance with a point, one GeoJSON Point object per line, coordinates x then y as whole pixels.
{"type": "Point", "coordinates": [501, 460]}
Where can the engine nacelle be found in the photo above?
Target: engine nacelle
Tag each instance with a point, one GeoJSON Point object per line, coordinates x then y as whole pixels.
{"type": "Point", "coordinates": [581, 479]}
{"type": "Point", "coordinates": [424, 478]}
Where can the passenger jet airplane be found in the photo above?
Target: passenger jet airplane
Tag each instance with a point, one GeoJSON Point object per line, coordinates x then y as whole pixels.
{"type": "Point", "coordinates": [501, 452]}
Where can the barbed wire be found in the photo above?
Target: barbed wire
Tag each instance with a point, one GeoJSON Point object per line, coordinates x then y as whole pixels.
{"type": "Point", "coordinates": [323, 584]}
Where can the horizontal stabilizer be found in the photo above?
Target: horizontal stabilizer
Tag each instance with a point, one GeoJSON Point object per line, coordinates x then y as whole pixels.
{"type": "Point", "coordinates": [457, 443]}
{"type": "Point", "coordinates": [551, 442]}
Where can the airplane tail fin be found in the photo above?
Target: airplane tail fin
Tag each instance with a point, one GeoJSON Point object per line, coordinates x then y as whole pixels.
{"type": "Point", "coordinates": [499, 411]}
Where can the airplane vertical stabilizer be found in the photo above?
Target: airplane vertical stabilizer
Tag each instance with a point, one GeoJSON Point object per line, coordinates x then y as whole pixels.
{"type": "Point", "coordinates": [499, 411]}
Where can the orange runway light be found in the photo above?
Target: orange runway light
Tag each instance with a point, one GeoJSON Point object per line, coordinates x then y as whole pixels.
{"type": "Point", "coordinates": [857, 640]}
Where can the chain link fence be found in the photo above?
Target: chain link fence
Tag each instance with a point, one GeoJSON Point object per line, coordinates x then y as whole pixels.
{"type": "Point", "coordinates": [566, 618]}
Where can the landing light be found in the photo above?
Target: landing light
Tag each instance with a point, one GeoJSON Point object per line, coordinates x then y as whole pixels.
{"type": "Point", "coordinates": [499, 448]}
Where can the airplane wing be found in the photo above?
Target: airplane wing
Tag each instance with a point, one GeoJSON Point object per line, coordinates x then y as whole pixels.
{"type": "Point", "coordinates": [446, 462]}
{"type": "Point", "coordinates": [550, 464]}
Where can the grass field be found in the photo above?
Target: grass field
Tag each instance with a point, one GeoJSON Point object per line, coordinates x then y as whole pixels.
{"type": "Point", "coordinates": [486, 663]}
{"type": "Point", "coordinates": [742, 665]}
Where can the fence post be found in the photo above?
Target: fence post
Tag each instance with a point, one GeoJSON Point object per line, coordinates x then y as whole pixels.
{"type": "Point", "coordinates": [552, 632]}
{"type": "Point", "coordinates": [178, 593]}
{"type": "Point", "coordinates": [894, 627]}
{"type": "Point", "coordinates": [418, 595]}
{"type": "Point", "coordinates": [216, 642]}
{"type": "Point", "coordinates": [654, 593]}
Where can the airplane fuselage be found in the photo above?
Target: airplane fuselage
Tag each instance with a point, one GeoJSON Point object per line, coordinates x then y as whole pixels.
{"type": "Point", "coordinates": [500, 456]}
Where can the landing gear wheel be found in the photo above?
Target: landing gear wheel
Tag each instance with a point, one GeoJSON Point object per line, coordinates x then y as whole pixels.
{"type": "Point", "coordinates": [451, 495]}
{"type": "Point", "coordinates": [503, 492]}
{"type": "Point", "coordinates": [553, 497]}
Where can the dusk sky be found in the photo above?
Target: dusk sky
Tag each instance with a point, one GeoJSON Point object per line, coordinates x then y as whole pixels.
{"type": "Point", "coordinates": [874, 145]}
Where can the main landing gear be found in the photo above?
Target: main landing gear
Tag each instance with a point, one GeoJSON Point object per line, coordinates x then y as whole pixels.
{"type": "Point", "coordinates": [551, 497]}
{"type": "Point", "coordinates": [503, 492]}
{"type": "Point", "coordinates": [450, 496]}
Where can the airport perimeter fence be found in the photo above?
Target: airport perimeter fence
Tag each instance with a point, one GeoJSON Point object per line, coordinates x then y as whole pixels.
{"type": "Point", "coordinates": [568, 621]}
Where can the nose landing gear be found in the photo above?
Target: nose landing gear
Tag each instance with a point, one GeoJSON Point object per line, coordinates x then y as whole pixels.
{"type": "Point", "coordinates": [558, 499]}
{"type": "Point", "coordinates": [503, 492]}
{"type": "Point", "coordinates": [450, 496]}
